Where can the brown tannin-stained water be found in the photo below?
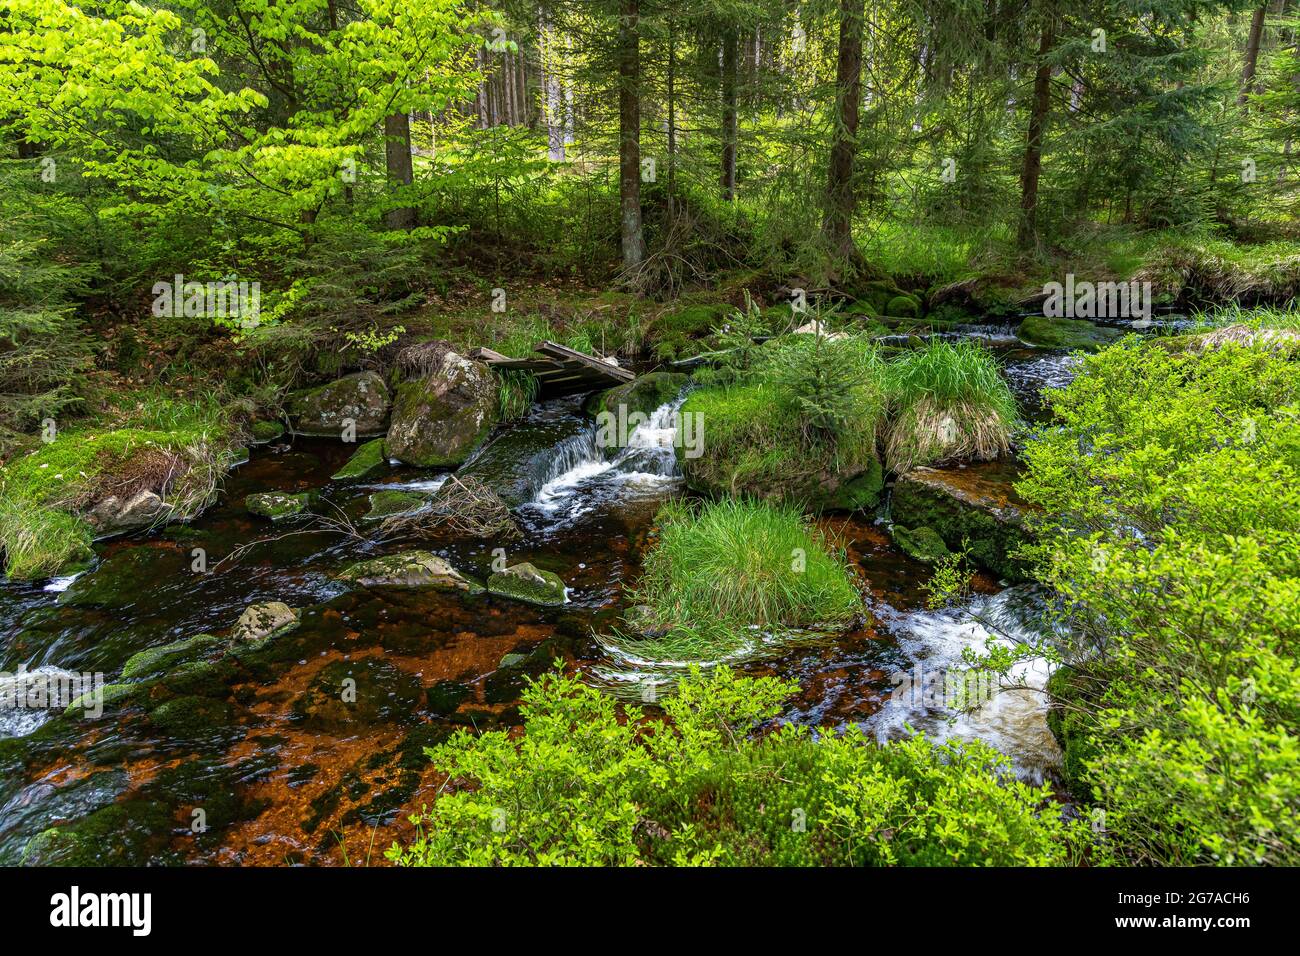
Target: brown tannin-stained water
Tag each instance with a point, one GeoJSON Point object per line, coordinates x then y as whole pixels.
{"type": "Point", "coordinates": [259, 767]}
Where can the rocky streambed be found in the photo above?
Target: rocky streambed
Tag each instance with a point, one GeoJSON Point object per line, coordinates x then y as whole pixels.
{"type": "Point", "coordinates": [274, 670]}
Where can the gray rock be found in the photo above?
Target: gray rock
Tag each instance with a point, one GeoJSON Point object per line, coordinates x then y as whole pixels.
{"type": "Point", "coordinates": [362, 397]}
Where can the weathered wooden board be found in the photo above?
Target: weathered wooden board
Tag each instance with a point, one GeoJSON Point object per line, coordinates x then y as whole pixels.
{"type": "Point", "coordinates": [560, 370]}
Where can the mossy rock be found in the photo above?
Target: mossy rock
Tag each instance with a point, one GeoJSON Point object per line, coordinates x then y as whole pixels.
{"type": "Point", "coordinates": [642, 395]}
{"type": "Point", "coordinates": [411, 569]}
{"type": "Point", "coordinates": [1067, 690]}
{"type": "Point", "coordinates": [526, 582]}
{"type": "Point", "coordinates": [192, 717]}
{"type": "Point", "coordinates": [262, 622]}
{"type": "Point", "coordinates": [116, 582]}
{"type": "Point", "coordinates": [199, 678]}
{"type": "Point", "coordinates": [386, 504]}
{"type": "Point", "coordinates": [876, 295]}
{"type": "Point", "coordinates": [367, 460]}
{"type": "Point", "coordinates": [975, 507]}
{"type": "Point", "coordinates": [904, 307]}
{"type": "Point", "coordinates": [349, 695]}
{"type": "Point", "coordinates": [921, 544]}
{"type": "Point", "coordinates": [265, 431]}
{"type": "Point", "coordinates": [671, 335]}
{"type": "Point", "coordinates": [362, 399]}
{"type": "Point", "coordinates": [278, 505]}
{"type": "Point", "coordinates": [110, 694]}
{"type": "Point", "coordinates": [130, 833]}
{"type": "Point", "coordinates": [439, 420]}
{"type": "Point", "coordinates": [748, 451]}
{"type": "Point", "coordinates": [155, 660]}
{"type": "Point", "coordinates": [1073, 334]}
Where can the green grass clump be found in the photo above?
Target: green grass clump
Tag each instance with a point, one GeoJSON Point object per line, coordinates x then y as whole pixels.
{"type": "Point", "coordinates": [796, 423]}
{"type": "Point", "coordinates": [720, 570]}
{"type": "Point", "coordinates": [948, 400]}
{"type": "Point", "coordinates": [42, 493]}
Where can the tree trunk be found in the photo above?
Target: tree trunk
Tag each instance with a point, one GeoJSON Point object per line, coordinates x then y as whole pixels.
{"type": "Point", "coordinates": [730, 51]}
{"type": "Point", "coordinates": [1252, 53]}
{"type": "Point", "coordinates": [841, 200]}
{"type": "Point", "coordinates": [1033, 165]}
{"type": "Point", "coordinates": [629, 134]}
{"type": "Point", "coordinates": [672, 120]}
{"type": "Point", "coordinates": [397, 159]}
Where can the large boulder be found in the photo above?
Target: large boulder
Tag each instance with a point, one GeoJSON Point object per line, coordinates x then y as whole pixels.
{"type": "Point", "coordinates": [975, 505]}
{"type": "Point", "coordinates": [1073, 334]}
{"type": "Point", "coordinates": [440, 418]}
{"type": "Point", "coordinates": [362, 398]}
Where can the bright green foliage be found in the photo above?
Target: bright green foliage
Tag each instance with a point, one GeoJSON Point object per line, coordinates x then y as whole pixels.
{"type": "Point", "coordinates": [586, 785]}
{"type": "Point", "coordinates": [796, 422]}
{"type": "Point", "coordinates": [1170, 500]}
{"type": "Point", "coordinates": [729, 565]}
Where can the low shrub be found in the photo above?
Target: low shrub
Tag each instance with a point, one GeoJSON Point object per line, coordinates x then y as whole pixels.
{"type": "Point", "coordinates": [1169, 490]}
{"type": "Point", "coordinates": [586, 785]}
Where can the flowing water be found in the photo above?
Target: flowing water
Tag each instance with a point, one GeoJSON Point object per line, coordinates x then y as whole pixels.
{"type": "Point", "coordinates": [273, 778]}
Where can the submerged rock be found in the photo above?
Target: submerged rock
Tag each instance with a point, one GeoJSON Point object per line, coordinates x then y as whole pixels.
{"type": "Point", "coordinates": [923, 544]}
{"type": "Point", "coordinates": [130, 833]}
{"type": "Point", "coordinates": [155, 660]}
{"type": "Point", "coordinates": [977, 504]}
{"type": "Point", "coordinates": [99, 701]}
{"type": "Point", "coordinates": [1073, 334]}
{"type": "Point", "coordinates": [116, 583]}
{"type": "Point", "coordinates": [367, 460]}
{"type": "Point", "coordinates": [386, 504]}
{"type": "Point", "coordinates": [362, 398]}
{"type": "Point", "coordinates": [438, 420]}
{"type": "Point", "coordinates": [260, 622]}
{"type": "Point", "coordinates": [411, 569]}
{"type": "Point", "coordinates": [525, 582]}
{"type": "Point", "coordinates": [278, 505]}
{"type": "Point", "coordinates": [350, 695]}
{"type": "Point", "coordinates": [518, 459]}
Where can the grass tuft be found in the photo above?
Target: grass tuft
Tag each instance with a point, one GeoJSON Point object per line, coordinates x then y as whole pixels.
{"type": "Point", "coordinates": [949, 400]}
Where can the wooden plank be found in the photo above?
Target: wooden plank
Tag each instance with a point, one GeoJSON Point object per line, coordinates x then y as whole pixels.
{"type": "Point", "coordinates": [554, 350]}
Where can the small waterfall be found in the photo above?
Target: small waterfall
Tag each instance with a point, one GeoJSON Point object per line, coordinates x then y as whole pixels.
{"type": "Point", "coordinates": [582, 472]}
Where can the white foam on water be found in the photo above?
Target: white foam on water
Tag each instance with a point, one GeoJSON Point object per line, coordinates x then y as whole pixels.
{"type": "Point", "coordinates": [1013, 721]}
{"type": "Point", "coordinates": [60, 583]}
{"type": "Point", "coordinates": [17, 720]}
{"type": "Point", "coordinates": [583, 475]}
{"type": "Point", "coordinates": [422, 485]}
